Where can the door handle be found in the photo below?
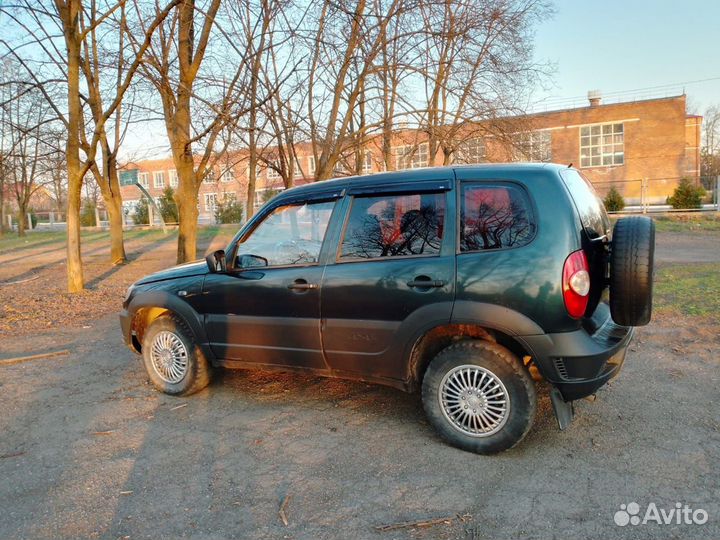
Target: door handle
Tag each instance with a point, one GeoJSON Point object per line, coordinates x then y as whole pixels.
{"type": "Point", "coordinates": [423, 282]}
{"type": "Point", "coordinates": [302, 285]}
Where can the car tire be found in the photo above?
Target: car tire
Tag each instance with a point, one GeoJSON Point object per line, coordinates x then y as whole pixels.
{"type": "Point", "coordinates": [474, 375]}
{"type": "Point", "coordinates": [174, 363]}
{"type": "Point", "coordinates": [631, 271]}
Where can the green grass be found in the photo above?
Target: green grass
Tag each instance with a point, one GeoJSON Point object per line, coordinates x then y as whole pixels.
{"type": "Point", "coordinates": [689, 289]}
{"type": "Point", "coordinates": [684, 223]}
{"type": "Point", "coordinates": [53, 239]}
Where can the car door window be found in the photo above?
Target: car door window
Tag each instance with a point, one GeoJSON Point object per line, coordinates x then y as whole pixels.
{"type": "Point", "coordinates": [394, 226]}
{"type": "Point", "coordinates": [289, 235]}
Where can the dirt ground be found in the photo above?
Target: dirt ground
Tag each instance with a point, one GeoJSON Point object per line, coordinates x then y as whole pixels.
{"type": "Point", "coordinates": [89, 450]}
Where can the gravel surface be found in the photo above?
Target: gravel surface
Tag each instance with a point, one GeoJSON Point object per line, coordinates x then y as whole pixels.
{"type": "Point", "coordinates": [88, 449]}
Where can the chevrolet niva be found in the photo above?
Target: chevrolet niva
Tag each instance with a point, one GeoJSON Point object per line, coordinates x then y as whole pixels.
{"type": "Point", "coordinates": [454, 281]}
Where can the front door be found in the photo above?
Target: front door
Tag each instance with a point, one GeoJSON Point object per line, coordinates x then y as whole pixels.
{"type": "Point", "coordinates": [266, 308]}
{"type": "Point", "coordinates": [393, 276]}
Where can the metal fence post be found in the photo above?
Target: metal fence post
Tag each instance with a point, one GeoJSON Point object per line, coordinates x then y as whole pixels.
{"type": "Point", "coordinates": [643, 195]}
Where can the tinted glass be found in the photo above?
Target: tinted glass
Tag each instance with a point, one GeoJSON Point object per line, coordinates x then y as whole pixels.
{"type": "Point", "coordinates": [592, 213]}
{"type": "Point", "coordinates": [494, 217]}
{"type": "Point", "coordinates": [290, 234]}
{"type": "Point", "coordinates": [394, 226]}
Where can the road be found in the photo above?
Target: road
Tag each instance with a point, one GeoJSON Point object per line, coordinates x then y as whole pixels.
{"type": "Point", "coordinates": [88, 449]}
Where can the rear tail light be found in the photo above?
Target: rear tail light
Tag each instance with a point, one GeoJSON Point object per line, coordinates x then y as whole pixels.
{"type": "Point", "coordinates": [576, 284]}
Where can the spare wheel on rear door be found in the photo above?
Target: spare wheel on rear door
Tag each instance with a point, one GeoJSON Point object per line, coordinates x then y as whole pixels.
{"type": "Point", "coordinates": [631, 270]}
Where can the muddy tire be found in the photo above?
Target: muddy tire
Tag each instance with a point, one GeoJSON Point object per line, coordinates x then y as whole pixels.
{"type": "Point", "coordinates": [479, 397]}
{"type": "Point", "coordinates": [631, 271]}
{"type": "Point", "coordinates": [174, 363]}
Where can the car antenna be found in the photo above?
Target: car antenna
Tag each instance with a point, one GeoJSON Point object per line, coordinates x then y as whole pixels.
{"type": "Point", "coordinates": [570, 166]}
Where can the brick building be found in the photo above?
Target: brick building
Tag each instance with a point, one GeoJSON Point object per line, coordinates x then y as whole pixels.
{"type": "Point", "coordinates": [642, 148]}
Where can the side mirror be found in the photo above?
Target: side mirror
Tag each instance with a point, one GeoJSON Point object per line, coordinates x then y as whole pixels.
{"type": "Point", "coordinates": [251, 261]}
{"type": "Point", "coordinates": [216, 261]}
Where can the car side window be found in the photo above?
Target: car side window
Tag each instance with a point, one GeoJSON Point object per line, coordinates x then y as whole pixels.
{"type": "Point", "coordinates": [394, 226]}
{"type": "Point", "coordinates": [495, 217]}
{"type": "Point", "coordinates": [289, 235]}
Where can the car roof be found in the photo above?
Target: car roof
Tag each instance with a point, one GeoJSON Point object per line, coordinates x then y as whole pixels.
{"type": "Point", "coordinates": [414, 175]}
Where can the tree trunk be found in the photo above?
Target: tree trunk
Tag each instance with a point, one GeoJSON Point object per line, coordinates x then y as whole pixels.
{"type": "Point", "coordinates": [110, 189]}
{"type": "Point", "coordinates": [187, 229]}
{"type": "Point", "coordinates": [75, 279]}
{"type": "Point", "coordinates": [113, 205]}
{"type": "Point", "coordinates": [22, 220]}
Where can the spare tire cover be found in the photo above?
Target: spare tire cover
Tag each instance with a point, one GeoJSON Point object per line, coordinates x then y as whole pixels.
{"type": "Point", "coordinates": [631, 270]}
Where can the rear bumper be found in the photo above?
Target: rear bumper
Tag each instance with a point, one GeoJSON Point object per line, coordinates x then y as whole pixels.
{"type": "Point", "coordinates": [580, 362]}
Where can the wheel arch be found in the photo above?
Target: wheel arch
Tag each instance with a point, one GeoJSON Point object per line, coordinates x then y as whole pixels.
{"type": "Point", "coordinates": [147, 307]}
{"type": "Point", "coordinates": [439, 337]}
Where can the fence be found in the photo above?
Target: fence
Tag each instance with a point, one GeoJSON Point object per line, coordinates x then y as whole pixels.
{"type": "Point", "coordinates": [651, 194]}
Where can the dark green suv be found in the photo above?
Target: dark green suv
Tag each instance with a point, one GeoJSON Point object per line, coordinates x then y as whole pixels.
{"type": "Point", "coordinates": [453, 280]}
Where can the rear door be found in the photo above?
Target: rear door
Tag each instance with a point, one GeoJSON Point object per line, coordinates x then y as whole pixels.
{"type": "Point", "coordinates": [594, 233]}
{"type": "Point", "coordinates": [391, 278]}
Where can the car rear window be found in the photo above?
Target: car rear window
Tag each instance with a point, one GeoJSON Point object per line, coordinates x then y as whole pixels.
{"type": "Point", "coordinates": [590, 208]}
{"type": "Point", "coordinates": [495, 217]}
{"type": "Point", "coordinates": [394, 226]}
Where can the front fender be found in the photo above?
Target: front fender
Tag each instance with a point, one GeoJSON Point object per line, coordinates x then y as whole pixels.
{"type": "Point", "coordinates": [175, 304]}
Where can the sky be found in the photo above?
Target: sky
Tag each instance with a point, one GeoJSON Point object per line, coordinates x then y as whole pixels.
{"type": "Point", "coordinates": [617, 46]}
{"type": "Point", "coordinates": [631, 49]}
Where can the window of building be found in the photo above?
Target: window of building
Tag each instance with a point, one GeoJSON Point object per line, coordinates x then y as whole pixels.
{"type": "Point", "coordinates": [210, 201]}
{"type": "Point", "coordinates": [494, 217]}
{"type": "Point", "coordinates": [258, 171]}
{"type": "Point", "coordinates": [209, 177]}
{"type": "Point", "coordinates": [289, 235]}
{"type": "Point", "coordinates": [297, 173]}
{"type": "Point", "coordinates": [602, 145]}
{"type": "Point", "coordinates": [411, 157]}
{"type": "Point", "coordinates": [367, 163]}
{"type": "Point", "coordinates": [227, 176]}
{"type": "Point", "coordinates": [394, 226]}
{"type": "Point", "coordinates": [311, 165]}
{"type": "Point", "coordinates": [272, 170]}
{"type": "Point", "coordinates": [159, 179]}
{"type": "Point", "coordinates": [129, 206]}
{"type": "Point", "coordinates": [471, 151]}
{"type": "Point", "coordinates": [144, 179]}
{"type": "Point", "coordinates": [173, 178]}
{"type": "Point", "coordinates": [533, 146]}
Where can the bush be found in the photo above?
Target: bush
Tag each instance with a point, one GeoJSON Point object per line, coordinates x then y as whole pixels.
{"type": "Point", "coordinates": [613, 201]}
{"type": "Point", "coordinates": [142, 214]}
{"type": "Point", "coordinates": [228, 212]}
{"type": "Point", "coordinates": [168, 206]}
{"type": "Point", "coordinates": [268, 194]}
{"type": "Point", "coordinates": [33, 219]}
{"type": "Point", "coordinates": [87, 215]}
{"type": "Point", "coordinates": [686, 195]}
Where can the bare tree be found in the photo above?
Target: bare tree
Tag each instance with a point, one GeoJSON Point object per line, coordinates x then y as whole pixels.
{"type": "Point", "coordinates": [477, 68]}
{"type": "Point", "coordinates": [63, 63]}
{"type": "Point", "coordinates": [710, 151]}
{"type": "Point", "coordinates": [347, 41]}
{"type": "Point", "coordinates": [199, 100]}
{"type": "Point", "coordinates": [25, 120]}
